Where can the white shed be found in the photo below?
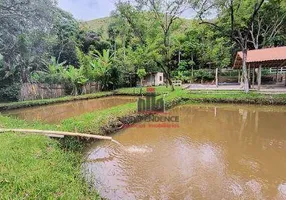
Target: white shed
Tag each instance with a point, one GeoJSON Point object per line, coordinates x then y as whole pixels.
{"type": "Point", "coordinates": [154, 79]}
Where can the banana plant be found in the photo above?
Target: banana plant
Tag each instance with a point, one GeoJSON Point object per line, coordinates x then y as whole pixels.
{"type": "Point", "coordinates": [75, 78]}
{"type": "Point", "coordinates": [101, 67]}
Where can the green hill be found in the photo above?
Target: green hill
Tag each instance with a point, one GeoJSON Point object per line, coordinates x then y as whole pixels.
{"type": "Point", "coordinates": [100, 25]}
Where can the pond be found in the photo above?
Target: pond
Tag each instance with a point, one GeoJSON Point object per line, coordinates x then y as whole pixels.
{"type": "Point", "coordinates": [213, 152]}
{"type": "Point", "coordinates": [55, 113]}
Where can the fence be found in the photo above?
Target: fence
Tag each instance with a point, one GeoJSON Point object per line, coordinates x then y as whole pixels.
{"type": "Point", "coordinates": [90, 88]}
{"type": "Point", "coordinates": [31, 91]}
{"type": "Point", "coordinates": [281, 70]}
{"type": "Point", "coordinates": [41, 91]}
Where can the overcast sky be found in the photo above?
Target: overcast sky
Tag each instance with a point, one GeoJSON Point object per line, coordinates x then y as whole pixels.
{"type": "Point", "coordinates": [92, 9]}
{"type": "Point", "coordinates": [88, 9]}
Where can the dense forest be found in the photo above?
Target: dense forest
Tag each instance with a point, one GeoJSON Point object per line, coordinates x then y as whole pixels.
{"type": "Point", "coordinates": [40, 43]}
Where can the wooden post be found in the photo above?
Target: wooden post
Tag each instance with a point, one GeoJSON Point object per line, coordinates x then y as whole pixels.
{"type": "Point", "coordinates": [253, 77]}
{"type": "Point", "coordinates": [277, 74]}
{"type": "Point", "coordinates": [259, 78]}
{"type": "Point", "coordinates": [216, 77]}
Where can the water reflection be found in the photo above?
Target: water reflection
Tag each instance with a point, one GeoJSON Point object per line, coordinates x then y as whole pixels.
{"type": "Point", "coordinates": [58, 112]}
{"type": "Point", "coordinates": [219, 152]}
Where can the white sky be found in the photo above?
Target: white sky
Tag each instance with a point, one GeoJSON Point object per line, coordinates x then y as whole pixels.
{"type": "Point", "coordinates": [87, 9]}
{"type": "Point", "coordinates": [92, 9]}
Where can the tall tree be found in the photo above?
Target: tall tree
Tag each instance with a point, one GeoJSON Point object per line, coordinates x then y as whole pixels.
{"type": "Point", "coordinates": [268, 24]}
{"type": "Point", "coordinates": [235, 19]}
{"type": "Point", "coordinates": [23, 18]}
{"type": "Point", "coordinates": [165, 13]}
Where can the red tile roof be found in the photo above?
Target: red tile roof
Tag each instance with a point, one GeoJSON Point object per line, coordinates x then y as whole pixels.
{"type": "Point", "coordinates": [269, 57]}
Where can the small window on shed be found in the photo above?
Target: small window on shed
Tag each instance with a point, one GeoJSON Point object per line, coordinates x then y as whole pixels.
{"type": "Point", "coordinates": [160, 78]}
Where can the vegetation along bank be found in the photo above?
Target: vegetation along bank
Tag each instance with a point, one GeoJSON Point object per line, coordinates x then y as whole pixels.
{"type": "Point", "coordinates": [55, 165]}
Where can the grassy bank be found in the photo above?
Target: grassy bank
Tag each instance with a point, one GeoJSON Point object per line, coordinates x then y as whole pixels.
{"type": "Point", "coordinates": [35, 167]}
{"type": "Point", "coordinates": [212, 96]}
{"type": "Point", "coordinates": [96, 122]}
{"type": "Point", "coordinates": [197, 96]}
{"type": "Point", "coordinates": [136, 91]}
{"type": "Point", "coordinates": [25, 104]}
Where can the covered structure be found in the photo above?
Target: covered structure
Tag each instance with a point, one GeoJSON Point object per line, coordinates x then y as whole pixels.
{"type": "Point", "coordinates": [267, 58]}
{"type": "Point", "coordinates": [154, 79]}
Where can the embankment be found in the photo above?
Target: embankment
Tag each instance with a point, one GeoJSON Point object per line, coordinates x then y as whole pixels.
{"type": "Point", "coordinates": [36, 167]}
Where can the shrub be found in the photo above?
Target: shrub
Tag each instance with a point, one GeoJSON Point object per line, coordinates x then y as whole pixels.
{"type": "Point", "coordinates": [10, 92]}
{"type": "Point", "coordinates": [203, 75]}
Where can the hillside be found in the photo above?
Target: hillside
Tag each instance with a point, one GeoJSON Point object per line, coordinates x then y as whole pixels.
{"type": "Point", "coordinates": [100, 25]}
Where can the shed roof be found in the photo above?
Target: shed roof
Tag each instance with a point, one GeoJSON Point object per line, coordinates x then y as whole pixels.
{"type": "Point", "coordinates": [269, 57]}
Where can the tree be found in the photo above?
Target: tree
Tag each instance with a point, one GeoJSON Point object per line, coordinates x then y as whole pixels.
{"type": "Point", "coordinates": [52, 74]}
{"type": "Point", "coordinates": [268, 24]}
{"type": "Point", "coordinates": [172, 9]}
{"type": "Point", "coordinates": [30, 33]}
{"type": "Point", "coordinates": [23, 18]}
{"type": "Point", "coordinates": [66, 33]}
{"type": "Point", "coordinates": [102, 69]}
{"type": "Point", "coordinates": [135, 18]}
{"type": "Point", "coordinates": [235, 19]}
{"type": "Point", "coordinates": [141, 73]}
{"type": "Point", "coordinates": [75, 78]}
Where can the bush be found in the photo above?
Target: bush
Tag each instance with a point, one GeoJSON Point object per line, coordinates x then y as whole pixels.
{"type": "Point", "coordinates": [10, 92]}
{"type": "Point", "coordinates": [203, 75]}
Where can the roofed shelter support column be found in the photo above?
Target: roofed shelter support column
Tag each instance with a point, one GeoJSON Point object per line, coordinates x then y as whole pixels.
{"type": "Point", "coordinates": [277, 69]}
{"type": "Point", "coordinates": [259, 77]}
{"type": "Point", "coordinates": [285, 79]}
{"type": "Point", "coordinates": [248, 76]}
{"type": "Point", "coordinates": [253, 77]}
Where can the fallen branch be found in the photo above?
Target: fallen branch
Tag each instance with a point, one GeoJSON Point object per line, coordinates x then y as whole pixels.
{"type": "Point", "coordinates": [57, 133]}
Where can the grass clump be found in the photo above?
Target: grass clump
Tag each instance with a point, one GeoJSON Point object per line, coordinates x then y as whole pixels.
{"type": "Point", "coordinates": [34, 167]}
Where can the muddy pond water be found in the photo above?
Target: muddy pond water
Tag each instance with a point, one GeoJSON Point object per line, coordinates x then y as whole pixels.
{"type": "Point", "coordinates": [60, 111]}
{"type": "Point", "coordinates": [214, 152]}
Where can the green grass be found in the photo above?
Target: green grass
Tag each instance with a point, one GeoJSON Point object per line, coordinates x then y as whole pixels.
{"type": "Point", "coordinates": [24, 104]}
{"type": "Point", "coordinates": [34, 167]}
{"type": "Point", "coordinates": [94, 122]}
{"type": "Point", "coordinates": [212, 96]}
{"type": "Point", "coordinates": [136, 91]}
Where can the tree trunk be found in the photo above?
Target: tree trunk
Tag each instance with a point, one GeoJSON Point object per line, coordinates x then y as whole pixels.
{"type": "Point", "coordinates": [141, 83]}
{"type": "Point", "coordinates": [216, 77]}
{"type": "Point", "coordinates": [167, 75]}
{"type": "Point", "coordinates": [170, 81]}
{"type": "Point", "coordinates": [75, 91]}
{"type": "Point", "coordinates": [244, 71]}
{"type": "Point", "coordinates": [259, 78]}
